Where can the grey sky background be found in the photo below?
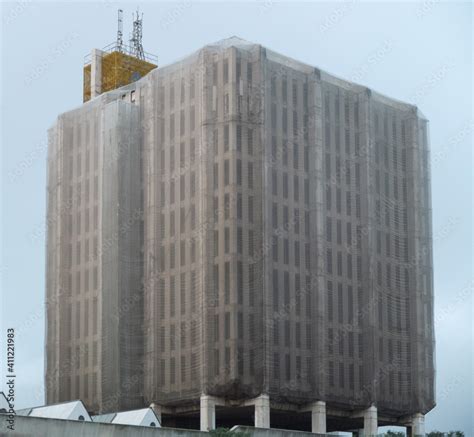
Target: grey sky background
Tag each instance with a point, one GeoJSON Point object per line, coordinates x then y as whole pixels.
{"type": "Point", "coordinates": [419, 52]}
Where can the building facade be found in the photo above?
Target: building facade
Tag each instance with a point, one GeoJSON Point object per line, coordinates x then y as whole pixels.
{"type": "Point", "coordinates": [94, 304]}
{"type": "Point", "coordinates": [259, 235]}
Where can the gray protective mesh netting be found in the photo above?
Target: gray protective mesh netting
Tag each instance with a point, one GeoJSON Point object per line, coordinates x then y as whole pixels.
{"type": "Point", "coordinates": [263, 227]}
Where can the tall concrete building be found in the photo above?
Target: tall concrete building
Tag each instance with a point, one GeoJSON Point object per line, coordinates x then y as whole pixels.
{"type": "Point", "coordinates": [242, 238]}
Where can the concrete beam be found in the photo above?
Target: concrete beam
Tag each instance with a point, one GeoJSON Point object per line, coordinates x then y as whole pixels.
{"type": "Point", "coordinates": [417, 425]}
{"type": "Point", "coordinates": [96, 72]}
{"type": "Point", "coordinates": [318, 417]}
{"type": "Point", "coordinates": [208, 413]}
{"type": "Point", "coordinates": [262, 411]}
{"type": "Point", "coordinates": [370, 422]}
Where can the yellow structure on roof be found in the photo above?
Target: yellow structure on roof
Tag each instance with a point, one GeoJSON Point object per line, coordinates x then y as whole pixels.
{"type": "Point", "coordinates": [111, 68]}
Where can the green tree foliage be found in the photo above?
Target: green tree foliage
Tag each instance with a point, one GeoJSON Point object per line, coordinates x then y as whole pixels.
{"type": "Point", "coordinates": [445, 434]}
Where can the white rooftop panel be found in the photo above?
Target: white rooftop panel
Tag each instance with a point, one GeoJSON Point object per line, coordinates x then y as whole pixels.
{"type": "Point", "coordinates": [143, 417]}
{"type": "Point", "coordinates": [4, 405]}
{"type": "Point", "coordinates": [73, 410]}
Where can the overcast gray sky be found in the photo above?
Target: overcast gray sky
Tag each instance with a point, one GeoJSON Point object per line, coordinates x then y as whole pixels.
{"type": "Point", "coordinates": [420, 52]}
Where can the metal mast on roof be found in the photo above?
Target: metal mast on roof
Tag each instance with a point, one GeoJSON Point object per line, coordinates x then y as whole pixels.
{"type": "Point", "coordinates": [120, 31]}
{"type": "Point", "coordinates": [136, 40]}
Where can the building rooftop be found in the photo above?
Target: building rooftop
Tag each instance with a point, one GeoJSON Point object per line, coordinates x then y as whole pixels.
{"type": "Point", "coordinates": [73, 410]}
{"type": "Point", "coordinates": [141, 417]}
{"type": "Point", "coordinates": [233, 41]}
{"type": "Point", "coordinates": [4, 404]}
{"type": "Point", "coordinates": [240, 43]}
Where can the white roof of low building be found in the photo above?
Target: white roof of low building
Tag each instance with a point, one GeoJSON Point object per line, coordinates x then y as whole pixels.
{"type": "Point", "coordinates": [142, 417]}
{"type": "Point", "coordinates": [73, 410]}
{"type": "Point", "coordinates": [4, 404]}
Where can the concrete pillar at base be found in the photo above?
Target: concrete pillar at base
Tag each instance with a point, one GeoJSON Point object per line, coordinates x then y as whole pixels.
{"type": "Point", "coordinates": [418, 425]}
{"type": "Point", "coordinates": [370, 422]}
{"type": "Point", "coordinates": [262, 412]}
{"type": "Point", "coordinates": [208, 413]}
{"type": "Point", "coordinates": [318, 417]}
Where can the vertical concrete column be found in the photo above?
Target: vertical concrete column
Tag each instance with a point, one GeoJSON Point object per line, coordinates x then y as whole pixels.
{"type": "Point", "coordinates": [318, 417]}
{"type": "Point", "coordinates": [370, 422]}
{"type": "Point", "coordinates": [208, 413]}
{"type": "Point", "coordinates": [418, 425]}
{"type": "Point", "coordinates": [96, 72]}
{"type": "Point", "coordinates": [262, 411]}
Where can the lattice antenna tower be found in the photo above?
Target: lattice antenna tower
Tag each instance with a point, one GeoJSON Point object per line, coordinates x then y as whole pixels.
{"type": "Point", "coordinates": [120, 30]}
{"type": "Point", "coordinates": [137, 33]}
